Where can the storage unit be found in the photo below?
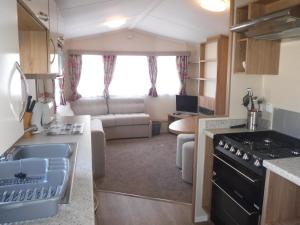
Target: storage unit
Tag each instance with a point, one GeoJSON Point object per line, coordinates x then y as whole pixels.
{"type": "Point", "coordinates": [212, 88]}
{"type": "Point", "coordinates": [253, 56]}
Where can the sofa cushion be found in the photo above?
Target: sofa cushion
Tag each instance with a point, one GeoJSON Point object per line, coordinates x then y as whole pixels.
{"type": "Point", "coordinates": [132, 119]}
{"type": "Point", "coordinates": [107, 120]}
{"type": "Point", "coordinates": [90, 106]}
{"type": "Point", "coordinates": [126, 105]}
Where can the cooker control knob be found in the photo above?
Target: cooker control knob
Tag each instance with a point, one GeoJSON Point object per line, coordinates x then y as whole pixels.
{"type": "Point", "coordinates": [239, 153]}
{"type": "Point", "coordinates": [258, 163]}
{"type": "Point", "coordinates": [226, 146]}
{"type": "Point", "coordinates": [232, 149]}
{"type": "Point", "coordinates": [221, 143]}
{"type": "Point", "coordinates": [246, 157]}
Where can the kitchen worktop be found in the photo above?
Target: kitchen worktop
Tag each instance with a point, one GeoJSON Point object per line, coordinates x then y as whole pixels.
{"type": "Point", "coordinates": [80, 210]}
{"type": "Point", "coordinates": [288, 168]}
{"type": "Point", "coordinates": [212, 132]}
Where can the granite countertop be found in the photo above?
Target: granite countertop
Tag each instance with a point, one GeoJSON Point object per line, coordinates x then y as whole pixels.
{"type": "Point", "coordinates": [288, 168]}
{"type": "Point", "coordinates": [80, 210]}
{"type": "Point", "coordinates": [212, 132]}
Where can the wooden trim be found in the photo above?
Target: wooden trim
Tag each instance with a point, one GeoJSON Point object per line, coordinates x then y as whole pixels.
{"type": "Point", "coordinates": [230, 58]}
{"type": "Point", "coordinates": [195, 170]}
{"type": "Point", "coordinates": [137, 53]}
{"type": "Point", "coordinates": [281, 203]}
{"type": "Point", "coordinates": [280, 5]}
{"type": "Point", "coordinates": [207, 175]}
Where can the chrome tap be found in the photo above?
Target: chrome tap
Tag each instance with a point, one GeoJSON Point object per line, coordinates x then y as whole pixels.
{"type": "Point", "coordinates": [31, 128]}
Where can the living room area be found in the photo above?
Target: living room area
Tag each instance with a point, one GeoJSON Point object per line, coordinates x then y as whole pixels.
{"type": "Point", "coordinates": [132, 106]}
{"type": "Point", "coordinates": [130, 82]}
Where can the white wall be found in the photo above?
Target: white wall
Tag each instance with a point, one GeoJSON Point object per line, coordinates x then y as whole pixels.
{"type": "Point", "coordinates": [135, 41]}
{"type": "Point", "coordinates": [283, 91]}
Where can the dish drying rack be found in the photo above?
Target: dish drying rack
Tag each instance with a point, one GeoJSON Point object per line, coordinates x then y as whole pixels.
{"type": "Point", "coordinates": [31, 188]}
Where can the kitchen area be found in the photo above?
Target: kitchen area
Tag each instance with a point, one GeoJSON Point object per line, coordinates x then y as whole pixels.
{"type": "Point", "coordinates": [248, 165]}
{"type": "Point", "coordinates": [46, 172]}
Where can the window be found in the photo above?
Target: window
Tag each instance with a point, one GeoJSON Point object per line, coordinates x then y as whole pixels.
{"type": "Point", "coordinates": [131, 76]}
{"type": "Point", "coordinates": [167, 76]}
{"type": "Point", "coordinates": [91, 82]}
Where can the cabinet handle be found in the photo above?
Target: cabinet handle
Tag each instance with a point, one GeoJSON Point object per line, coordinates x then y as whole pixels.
{"type": "Point", "coordinates": [54, 51]}
{"type": "Point", "coordinates": [43, 16]}
{"type": "Point", "coordinates": [23, 79]}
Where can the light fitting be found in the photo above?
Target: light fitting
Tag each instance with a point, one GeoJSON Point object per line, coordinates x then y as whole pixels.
{"type": "Point", "coordinates": [115, 22]}
{"type": "Point", "coordinates": [214, 5]}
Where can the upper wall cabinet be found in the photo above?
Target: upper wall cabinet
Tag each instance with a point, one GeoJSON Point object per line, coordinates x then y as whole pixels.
{"type": "Point", "coordinates": [40, 8]}
{"type": "Point", "coordinates": [252, 56]}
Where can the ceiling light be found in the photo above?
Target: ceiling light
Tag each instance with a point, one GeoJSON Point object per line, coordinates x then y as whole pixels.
{"type": "Point", "coordinates": [116, 22]}
{"type": "Point", "coordinates": [214, 5]}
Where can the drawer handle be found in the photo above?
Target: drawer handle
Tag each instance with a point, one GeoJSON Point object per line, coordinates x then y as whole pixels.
{"type": "Point", "coordinates": [229, 196]}
{"type": "Point", "coordinates": [244, 175]}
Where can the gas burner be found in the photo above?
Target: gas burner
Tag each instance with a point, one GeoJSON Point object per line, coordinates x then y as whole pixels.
{"type": "Point", "coordinates": [295, 152]}
{"type": "Point", "coordinates": [248, 142]}
{"type": "Point", "coordinates": [268, 141]}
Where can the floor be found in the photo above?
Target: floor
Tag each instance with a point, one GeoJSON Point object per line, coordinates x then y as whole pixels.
{"type": "Point", "coordinates": [121, 209]}
{"type": "Point", "coordinates": [145, 167]}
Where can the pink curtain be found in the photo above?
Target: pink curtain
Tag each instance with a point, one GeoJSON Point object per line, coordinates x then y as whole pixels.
{"type": "Point", "coordinates": [109, 66]}
{"type": "Point", "coordinates": [152, 63]}
{"type": "Point", "coordinates": [75, 64]}
{"type": "Point", "coordinates": [182, 68]}
{"type": "Point", "coordinates": [61, 83]}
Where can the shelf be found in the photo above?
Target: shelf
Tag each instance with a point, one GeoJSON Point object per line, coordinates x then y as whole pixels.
{"type": "Point", "coordinates": [243, 39]}
{"type": "Point", "coordinates": [201, 79]}
{"type": "Point", "coordinates": [208, 60]}
{"type": "Point", "coordinates": [46, 76]}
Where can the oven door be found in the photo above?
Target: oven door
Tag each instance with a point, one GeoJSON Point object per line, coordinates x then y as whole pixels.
{"type": "Point", "coordinates": [237, 193]}
{"type": "Point", "coordinates": [227, 209]}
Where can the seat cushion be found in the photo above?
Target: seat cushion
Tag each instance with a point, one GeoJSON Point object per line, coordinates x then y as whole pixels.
{"type": "Point", "coordinates": [132, 119]}
{"type": "Point", "coordinates": [89, 106]}
{"type": "Point", "coordinates": [126, 105]}
{"type": "Point", "coordinates": [107, 120]}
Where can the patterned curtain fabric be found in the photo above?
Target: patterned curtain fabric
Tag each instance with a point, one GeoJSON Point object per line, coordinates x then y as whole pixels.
{"type": "Point", "coordinates": [109, 66]}
{"type": "Point", "coordinates": [75, 64]}
{"type": "Point", "coordinates": [182, 68]}
{"type": "Point", "coordinates": [152, 63]}
{"type": "Point", "coordinates": [61, 83]}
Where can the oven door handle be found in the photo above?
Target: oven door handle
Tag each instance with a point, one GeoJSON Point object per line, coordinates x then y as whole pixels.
{"type": "Point", "coordinates": [231, 198]}
{"type": "Point", "coordinates": [244, 175]}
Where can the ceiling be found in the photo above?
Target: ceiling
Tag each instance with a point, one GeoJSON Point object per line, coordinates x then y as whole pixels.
{"type": "Point", "coordinates": [179, 19]}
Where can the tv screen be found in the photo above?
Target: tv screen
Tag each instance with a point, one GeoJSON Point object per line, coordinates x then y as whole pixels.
{"type": "Point", "coordinates": [186, 103]}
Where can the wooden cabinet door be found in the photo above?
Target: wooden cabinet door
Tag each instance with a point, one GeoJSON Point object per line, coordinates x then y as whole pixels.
{"type": "Point", "coordinates": [40, 9]}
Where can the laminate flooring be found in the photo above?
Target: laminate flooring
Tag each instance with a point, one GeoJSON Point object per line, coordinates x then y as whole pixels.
{"type": "Point", "coordinates": [122, 209]}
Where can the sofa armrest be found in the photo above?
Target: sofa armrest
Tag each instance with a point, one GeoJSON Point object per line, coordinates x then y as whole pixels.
{"type": "Point", "coordinates": [98, 148]}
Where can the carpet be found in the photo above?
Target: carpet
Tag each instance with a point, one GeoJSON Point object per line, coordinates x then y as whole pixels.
{"type": "Point", "coordinates": [145, 167]}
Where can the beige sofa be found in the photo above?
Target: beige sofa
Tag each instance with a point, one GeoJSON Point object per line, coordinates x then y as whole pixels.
{"type": "Point", "coordinates": [120, 117]}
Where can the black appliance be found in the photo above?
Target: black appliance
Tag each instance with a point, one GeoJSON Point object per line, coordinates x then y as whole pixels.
{"type": "Point", "coordinates": [187, 103]}
{"type": "Point", "coordinates": [239, 176]}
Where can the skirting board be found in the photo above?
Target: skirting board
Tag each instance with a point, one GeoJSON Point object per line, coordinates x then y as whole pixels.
{"type": "Point", "coordinates": [201, 218]}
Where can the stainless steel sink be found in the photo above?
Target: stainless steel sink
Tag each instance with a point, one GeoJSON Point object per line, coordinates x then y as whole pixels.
{"type": "Point", "coordinates": [42, 151]}
{"type": "Point", "coordinates": [63, 150]}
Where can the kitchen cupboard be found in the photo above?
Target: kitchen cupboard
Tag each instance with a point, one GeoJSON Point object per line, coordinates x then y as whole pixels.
{"type": "Point", "coordinates": [33, 41]}
{"type": "Point", "coordinates": [40, 8]}
{"type": "Point", "coordinates": [253, 56]}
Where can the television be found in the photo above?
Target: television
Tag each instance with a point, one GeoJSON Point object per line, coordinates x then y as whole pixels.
{"type": "Point", "coordinates": [186, 104]}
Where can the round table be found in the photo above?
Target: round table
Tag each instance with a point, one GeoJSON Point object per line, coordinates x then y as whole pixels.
{"type": "Point", "coordinates": [184, 126]}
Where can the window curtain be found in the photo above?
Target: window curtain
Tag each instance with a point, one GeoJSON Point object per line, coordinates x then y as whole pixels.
{"type": "Point", "coordinates": [182, 68]}
{"type": "Point", "coordinates": [152, 63]}
{"type": "Point", "coordinates": [75, 65]}
{"type": "Point", "coordinates": [109, 66]}
{"type": "Point", "coordinates": [61, 83]}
